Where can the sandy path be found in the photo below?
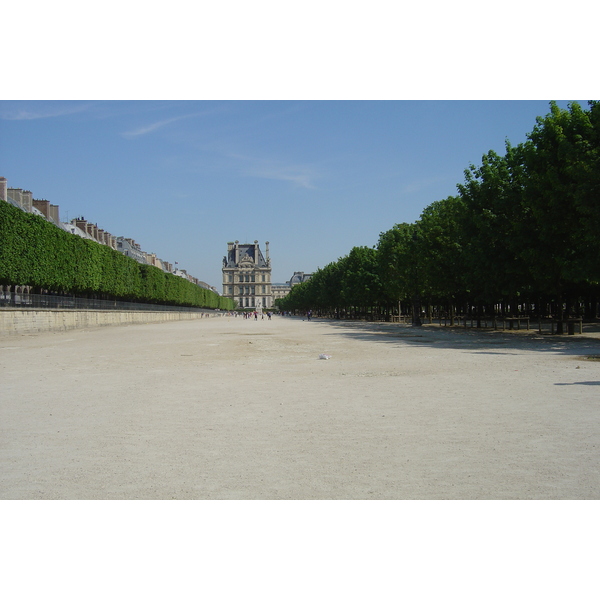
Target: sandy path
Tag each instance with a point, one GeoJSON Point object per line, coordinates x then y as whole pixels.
{"type": "Point", "coordinates": [235, 409]}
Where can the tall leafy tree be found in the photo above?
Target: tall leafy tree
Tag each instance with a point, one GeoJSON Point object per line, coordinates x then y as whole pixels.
{"type": "Point", "coordinates": [493, 212]}
{"type": "Point", "coordinates": [563, 195]}
{"type": "Point", "coordinates": [327, 287]}
{"type": "Point", "coordinates": [442, 250]}
{"type": "Point", "coordinates": [361, 286]}
{"type": "Point", "coordinates": [401, 265]}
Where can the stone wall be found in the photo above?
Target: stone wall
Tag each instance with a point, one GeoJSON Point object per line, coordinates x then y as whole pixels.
{"type": "Point", "coordinates": [19, 322]}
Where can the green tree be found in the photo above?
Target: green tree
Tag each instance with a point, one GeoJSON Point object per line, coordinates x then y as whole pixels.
{"type": "Point", "coordinates": [401, 266]}
{"type": "Point", "coordinates": [36, 253]}
{"type": "Point", "coordinates": [442, 252]}
{"type": "Point", "coordinates": [562, 195]}
{"type": "Point", "coordinates": [360, 282]}
{"type": "Point", "coordinates": [493, 215]}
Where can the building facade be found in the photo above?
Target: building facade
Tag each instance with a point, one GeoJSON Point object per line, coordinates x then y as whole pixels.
{"type": "Point", "coordinates": [247, 275]}
{"type": "Point", "coordinates": [130, 248]}
{"type": "Point", "coordinates": [280, 290]}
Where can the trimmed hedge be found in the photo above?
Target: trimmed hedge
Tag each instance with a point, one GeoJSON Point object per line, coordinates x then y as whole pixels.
{"type": "Point", "coordinates": [36, 253]}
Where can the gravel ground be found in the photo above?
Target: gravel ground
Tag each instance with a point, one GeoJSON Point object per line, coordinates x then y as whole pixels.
{"type": "Point", "coordinates": [241, 409]}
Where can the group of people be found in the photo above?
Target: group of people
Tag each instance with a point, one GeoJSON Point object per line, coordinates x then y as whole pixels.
{"type": "Point", "coordinates": [249, 315]}
{"type": "Point", "coordinates": [254, 314]}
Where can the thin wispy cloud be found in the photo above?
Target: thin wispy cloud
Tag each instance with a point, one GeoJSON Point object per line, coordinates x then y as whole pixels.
{"type": "Point", "coordinates": [296, 174]}
{"type": "Point", "coordinates": [146, 129]}
{"type": "Point", "coordinates": [45, 112]}
{"type": "Point", "coordinates": [300, 175]}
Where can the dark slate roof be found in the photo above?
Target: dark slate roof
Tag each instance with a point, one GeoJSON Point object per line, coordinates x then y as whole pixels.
{"type": "Point", "coordinates": [246, 250]}
{"type": "Point", "coordinates": [300, 277]}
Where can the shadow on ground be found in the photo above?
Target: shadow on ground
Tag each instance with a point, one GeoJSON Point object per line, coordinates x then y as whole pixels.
{"type": "Point", "coordinates": [478, 341]}
{"type": "Point", "coordinates": [580, 383]}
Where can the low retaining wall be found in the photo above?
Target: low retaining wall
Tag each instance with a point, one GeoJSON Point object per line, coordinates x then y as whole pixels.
{"type": "Point", "coordinates": [19, 322]}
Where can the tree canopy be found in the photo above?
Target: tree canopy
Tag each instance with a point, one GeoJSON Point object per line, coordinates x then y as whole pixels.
{"type": "Point", "coordinates": [521, 231]}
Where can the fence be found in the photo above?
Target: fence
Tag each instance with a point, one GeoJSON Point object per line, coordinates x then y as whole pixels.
{"type": "Point", "coordinates": [26, 301]}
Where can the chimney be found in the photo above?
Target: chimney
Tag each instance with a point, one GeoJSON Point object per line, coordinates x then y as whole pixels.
{"type": "Point", "coordinates": [81, 223]}
{"type": "Point", "coordinates": [27, 201]}
{"type": "Point", "coordinates": [54, 213]}
{"type": "Point", "coordinates": [43, 206]}
{"type": "Point", "coordinates": [3, 189]}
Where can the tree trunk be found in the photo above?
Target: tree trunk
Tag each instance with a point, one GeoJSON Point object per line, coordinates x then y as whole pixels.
{"type": "Point", "coordinates": [559, 324]}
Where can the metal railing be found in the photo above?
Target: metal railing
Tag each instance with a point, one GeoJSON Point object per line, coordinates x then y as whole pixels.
{"type": "Point", "coordinates": [51, 301]}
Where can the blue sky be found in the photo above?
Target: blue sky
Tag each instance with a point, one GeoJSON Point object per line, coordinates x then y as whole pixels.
{"type": "Point", "coordinates": [314, 178]}
{"type": "Point", "coordinates": [313, 129]}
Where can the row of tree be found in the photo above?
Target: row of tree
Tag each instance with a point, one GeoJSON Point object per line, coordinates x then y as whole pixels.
{"type": "Point", "coordinates": [33, 252]}
{"type": "Point", "coordinates": [522, 234]}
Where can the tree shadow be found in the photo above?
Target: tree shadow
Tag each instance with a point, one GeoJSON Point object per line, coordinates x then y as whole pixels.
{"type": "Point", "coordinates": [580, 383]}
{"type": "Point", "coordinates": [482, 341]}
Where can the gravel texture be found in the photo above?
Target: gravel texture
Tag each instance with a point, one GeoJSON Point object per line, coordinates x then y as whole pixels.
{"type": "Point", "coordinates": [241, 409]}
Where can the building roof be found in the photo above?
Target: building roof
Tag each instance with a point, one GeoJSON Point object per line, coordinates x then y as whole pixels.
{"type": "Point", "coordinates": [299, 277]}
{"type": "Point", "coordinates": [247, 254]}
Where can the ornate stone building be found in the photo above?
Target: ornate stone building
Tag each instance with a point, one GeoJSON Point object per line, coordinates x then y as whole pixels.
{"type": "Point", "coordinates": [247, 275]}
{"type": "Point", "coordinates": [280, 290]}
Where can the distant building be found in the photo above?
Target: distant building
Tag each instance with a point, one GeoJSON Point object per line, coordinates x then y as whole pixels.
{"type": "Point", "coordinates": [22, 199]}
{"type": "Point", "coordinates": [92, 232]}
{"type": "Point", "coordinates": [130, 248]}
{"type": "Point", "coordinates": [50, 211]}
{"type": "Point", "coordinates": [280, 290]}
{"type": "Point", "coordinates": [163, 265]}
{"type": "Point", "coordinates": [299, 277]}
{"type": "Point", "coordinates": [247, 275]}
{"type": "Point", "coordinates": [74, 230]}
{"type": "Point", "coordinates": [3, 189]}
